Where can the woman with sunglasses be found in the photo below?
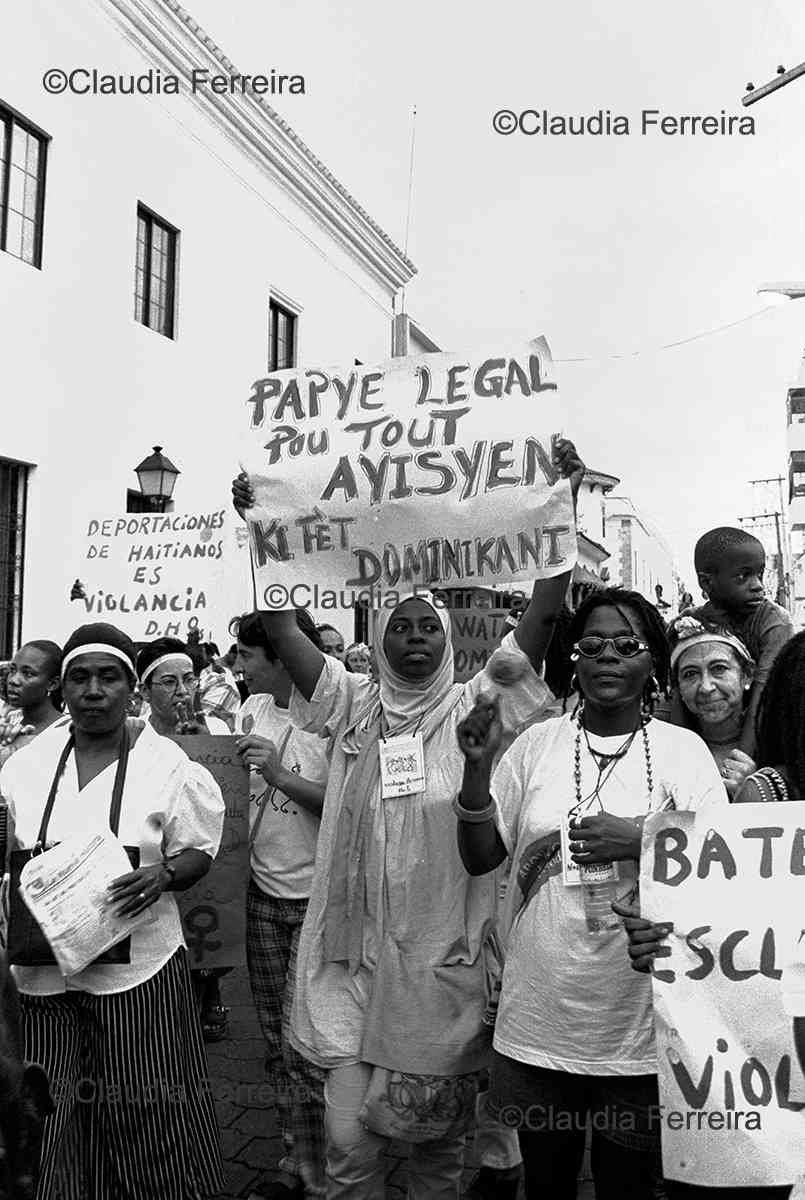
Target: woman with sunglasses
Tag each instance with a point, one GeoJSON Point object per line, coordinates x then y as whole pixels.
{"type": "Point", "coordinates": [574, 1031]}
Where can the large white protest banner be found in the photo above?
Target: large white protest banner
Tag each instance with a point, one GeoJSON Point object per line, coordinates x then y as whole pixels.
{"type": "Point", "coordinates": [157, 574]}
{"type": "Point", "coordinates": [429, 469]}
{"type": "Point", "coordinates": [732, 881]}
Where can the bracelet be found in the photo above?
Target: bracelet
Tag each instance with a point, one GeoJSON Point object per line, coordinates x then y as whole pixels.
{"type": "Point", "coordinates": [171, 873]}
{"type": "Point", "coordinates": [474, 816]}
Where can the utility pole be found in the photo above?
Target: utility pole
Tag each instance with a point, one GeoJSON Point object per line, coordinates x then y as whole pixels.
{"type": "Point", "coordinates": [781, 529]}
{"type": "Point", "coordinates": [782, 581]}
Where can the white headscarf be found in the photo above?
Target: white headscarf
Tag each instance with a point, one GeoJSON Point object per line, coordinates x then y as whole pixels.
{"type": "Point", "coordinates": [408, 703]}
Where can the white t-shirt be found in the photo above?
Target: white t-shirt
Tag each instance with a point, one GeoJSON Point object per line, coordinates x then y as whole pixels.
{"type": "Point", "coordinates": [570, 1000]}
{"type": "Point", "coordinates": [284, 850]}
{"type": "Point", "coordinates": [169, 804]}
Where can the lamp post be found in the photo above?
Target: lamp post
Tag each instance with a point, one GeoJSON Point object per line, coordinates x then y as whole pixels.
{"type": "Point", "coordinates": [157, 476]}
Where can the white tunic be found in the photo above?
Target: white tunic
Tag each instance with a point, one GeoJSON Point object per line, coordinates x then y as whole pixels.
{"type": "Point", "coordinates": [169, 804]}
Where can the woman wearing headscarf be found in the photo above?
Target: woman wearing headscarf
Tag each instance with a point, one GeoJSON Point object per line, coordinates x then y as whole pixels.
{"type": "Point", "coordinates": [120, 1043]}
{"type": "Point", "coordinates": [396, 949]}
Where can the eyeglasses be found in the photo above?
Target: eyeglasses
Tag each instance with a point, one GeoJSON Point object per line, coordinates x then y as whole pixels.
{"type": "Point", "coordinates": [171, 684]}
{"type": "Point", "coordinates": [624, 646]}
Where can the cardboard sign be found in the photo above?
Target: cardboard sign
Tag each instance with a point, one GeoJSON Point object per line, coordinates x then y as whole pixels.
{"type": "Point", "coordinates": [732, 881]}
{"type": "Point", "coordinates": [214, 909]}
{"type": "Point", "coordinates": [477, 630]}
{"type": "Point", "coordinates": [370, 480]}
{"type": "Point", "coordinates": [159, 574]}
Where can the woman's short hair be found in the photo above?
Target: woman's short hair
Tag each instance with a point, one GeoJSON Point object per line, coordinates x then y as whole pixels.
{"type": "Point", "coordinates": [53, 657]}
{"type": "Point", "coordinates": [158, 649]}
{"type": "Point", "coordinates": [250, 631]}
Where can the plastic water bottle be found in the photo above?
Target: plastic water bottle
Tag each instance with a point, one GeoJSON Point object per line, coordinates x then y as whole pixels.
{"type": "Point", "coordinates": [599, 885]}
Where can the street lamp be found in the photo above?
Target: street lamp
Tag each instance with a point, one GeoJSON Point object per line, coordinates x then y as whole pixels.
{"type": "Point", "coordinates": [157, 476]}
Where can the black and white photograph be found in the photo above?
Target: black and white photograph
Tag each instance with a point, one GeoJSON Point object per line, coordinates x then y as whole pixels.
{"type": "Point", "coordinates": [402, 600]}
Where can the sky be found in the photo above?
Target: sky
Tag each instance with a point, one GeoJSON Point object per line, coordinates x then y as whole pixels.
{"type": "Point", "coordinates": [611, 247]}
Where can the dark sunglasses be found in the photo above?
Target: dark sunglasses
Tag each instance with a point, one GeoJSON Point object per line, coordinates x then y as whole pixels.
{"type": "Point", "coordinates": [625, 646]}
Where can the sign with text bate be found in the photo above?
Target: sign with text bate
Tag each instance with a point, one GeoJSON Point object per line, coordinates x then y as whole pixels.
{"type": "Point", "coordinates": [158, 574]}
{"type": "Point", "coordinates": [422, 470]}
{"type": "Point", "coordinates": [732, 881]}
{"type": "Point", "coordinates": [214, 909]}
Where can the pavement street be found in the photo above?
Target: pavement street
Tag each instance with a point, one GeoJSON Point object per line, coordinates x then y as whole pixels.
{"type": "Point", "coordinates": [249, 1133]}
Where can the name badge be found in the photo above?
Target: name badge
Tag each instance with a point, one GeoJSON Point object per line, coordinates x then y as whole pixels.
{"type": "Point", "coordinates": [573, 873]}
{"type": "Point", "coordinates": [402, 766]}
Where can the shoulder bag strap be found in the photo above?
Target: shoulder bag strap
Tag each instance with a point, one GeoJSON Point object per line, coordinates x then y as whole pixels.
{"type": "Point", "coordinates": [54, 787]}
{"type": "Point", "coordinates": [269, 794]}
{"type": "Point", "coordinates": [120, 780]}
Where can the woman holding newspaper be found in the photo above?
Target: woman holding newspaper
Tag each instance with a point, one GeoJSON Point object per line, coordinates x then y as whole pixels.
{"type": "Point", "coordinates": [395, 949]}
{"type": "Point", "coordinates": [120, 1038]}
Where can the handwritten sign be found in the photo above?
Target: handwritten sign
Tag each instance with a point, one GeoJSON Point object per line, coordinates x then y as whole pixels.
{"type": "Point", "coordinates": [214, 910]}
{"type": "Point", "coordinates": [477, 630]}
{"type": "Point", "coordinates": [733, 883]}
{"type": "Point", "coordinates": [383, 478]}
{"type": "Point", "coordinates": [159, 574]}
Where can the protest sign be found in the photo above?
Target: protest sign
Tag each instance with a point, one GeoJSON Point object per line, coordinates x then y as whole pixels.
{"type": "Point", "coordinates": [477, 628]}
{"type": "Point", "coordinates": [158, 574]}
{"type": "Point", "coordinates": [371, 481]}
{"type": "Point", "coordinates": [732, 880]}
{"type": "Point", "coordinates": [214, 909]}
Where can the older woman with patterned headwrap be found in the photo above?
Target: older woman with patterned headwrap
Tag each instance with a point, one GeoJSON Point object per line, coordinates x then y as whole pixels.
{"type": "Point", "coordinates": [396, 951]}
{"type": "Point", "coordinates": [712, 670]}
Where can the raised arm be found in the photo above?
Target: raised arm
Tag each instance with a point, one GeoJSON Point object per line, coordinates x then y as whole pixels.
{"type": "Point", "coordinates": [536, 625]}
{"type": "Point", "coordinates": [479, 843]}
{"type": "Point", "coordinates": [296, 652]}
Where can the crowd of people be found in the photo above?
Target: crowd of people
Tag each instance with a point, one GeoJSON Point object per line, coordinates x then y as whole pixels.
{"type": "Point", "coordinates": [419, 966]}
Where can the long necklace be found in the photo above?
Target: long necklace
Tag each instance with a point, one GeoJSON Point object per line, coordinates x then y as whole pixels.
{"type": "Point", "coordinates": [605, 764]}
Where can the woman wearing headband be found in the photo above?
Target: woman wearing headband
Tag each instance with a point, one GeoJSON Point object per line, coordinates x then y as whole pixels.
{"type": "Point", "coordinates": [130, 1027]}
{"type": "Point", "coordinates": [712, 671]}
{"type": "Point", "coordinates": [170, 685]}
{"type": "Point", "coordinates": [574, 1035]}
{"type": "Point", "coordinates": [396, 947]}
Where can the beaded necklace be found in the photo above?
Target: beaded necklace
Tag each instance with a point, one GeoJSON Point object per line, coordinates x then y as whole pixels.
{"type": "Point", "coordinates": [605, 764]}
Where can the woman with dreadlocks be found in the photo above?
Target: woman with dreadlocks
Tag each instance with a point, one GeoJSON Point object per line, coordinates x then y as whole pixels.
{"type": "Point", "coordinates": [574, 1032]}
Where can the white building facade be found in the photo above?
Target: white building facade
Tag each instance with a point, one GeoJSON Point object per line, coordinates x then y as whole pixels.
{"type": "Point", "coordinates": [641, 559]}
{"type": "Point", "coordinates": [158, 253]}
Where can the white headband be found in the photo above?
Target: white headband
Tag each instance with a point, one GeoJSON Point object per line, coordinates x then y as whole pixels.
{"type": "Point", "coordinates": [165, 658]}
{"type": "Point", "coordinates": [96, 648]}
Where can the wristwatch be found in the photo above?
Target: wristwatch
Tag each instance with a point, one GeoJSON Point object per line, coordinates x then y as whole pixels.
{"type": "Point", "coordinates": [171, 870]}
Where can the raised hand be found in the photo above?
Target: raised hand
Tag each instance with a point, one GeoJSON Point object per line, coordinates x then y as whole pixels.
{"type": "Point", "coordinates": [242, 493]}
{"type": "Point", "coordinates": [479, 734]}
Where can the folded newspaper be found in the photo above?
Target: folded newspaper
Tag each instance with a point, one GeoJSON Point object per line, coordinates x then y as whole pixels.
{"type": "Point", "coordinates": [65, 889]}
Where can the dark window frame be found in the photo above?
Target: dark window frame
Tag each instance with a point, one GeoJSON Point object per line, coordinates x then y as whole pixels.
{"type": "Point", "coordinates": [151, 219]}
{"type": "Point", "coordinates": [9, 117]}
{"type": "Point", "coordinates": [276, 309]}
{"type": "Point", "coordinates": [12, 562]}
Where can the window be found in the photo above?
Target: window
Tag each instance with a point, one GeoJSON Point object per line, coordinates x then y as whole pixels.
{"type": "Point", "coordinates": [796, 474]}
{"type": "Point", "coordinates": [796, 406]}
{"type": "Point", "coordinates": [281, 336]}
{"type": "Point", "coordinates": [13, 497]}
{"type": "Point", "coordinates": [155, 275]}
{"type": "Point", "coordinates": [23, 150]}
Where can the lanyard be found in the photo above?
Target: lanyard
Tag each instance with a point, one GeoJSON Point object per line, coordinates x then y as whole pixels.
{"type": "Point", "coordinates": [605, 765]}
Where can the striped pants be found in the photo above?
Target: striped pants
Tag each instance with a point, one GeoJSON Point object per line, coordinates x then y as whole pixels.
{"type": "Point", "coordinates": [134, 1116]}
{"type": "Point", "coordinates": [272, 936]}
